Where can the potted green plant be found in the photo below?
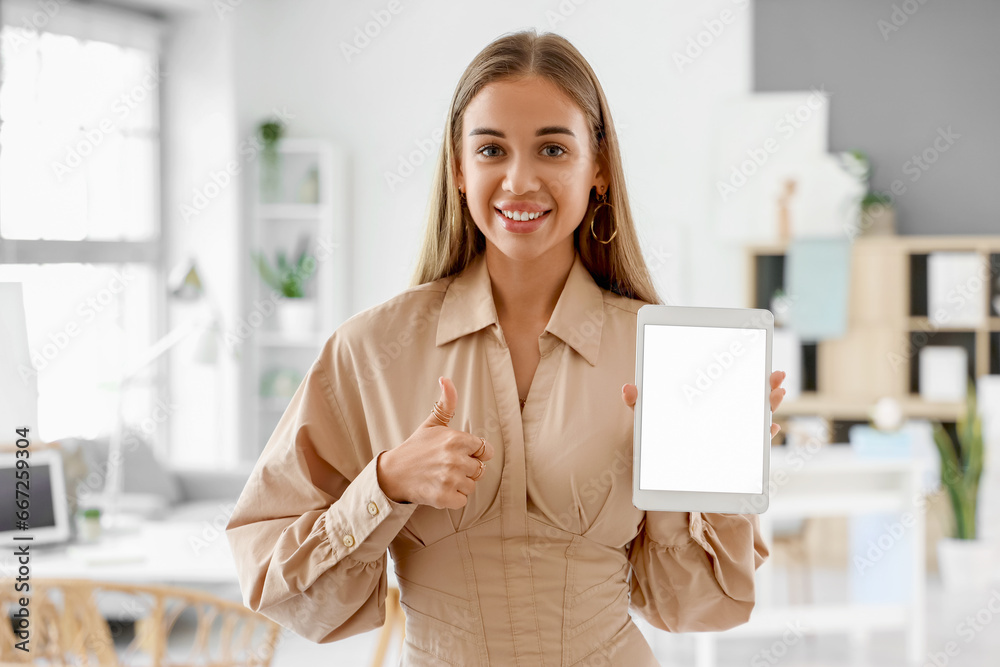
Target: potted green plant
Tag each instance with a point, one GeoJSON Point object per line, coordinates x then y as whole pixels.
{"type": "Point", "coordinates": [89, 524]}
{"type": "Point", "coordinates": [877, 215]}
{"type": "Point", "coordinates": [270, 132]}
{"type": "Point", "coordinates": [296, 313]}
{"type": "Point", "coordinates": [964, 559]}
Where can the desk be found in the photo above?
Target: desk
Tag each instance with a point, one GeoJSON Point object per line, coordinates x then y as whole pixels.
{"type": "Point", "coordinates": [189, 553]}
{"type": "Point", "coordinates": [834, 481]}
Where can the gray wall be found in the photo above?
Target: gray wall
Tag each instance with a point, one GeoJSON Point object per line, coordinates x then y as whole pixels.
{"type": "Point", "coordinates": [890, 94]}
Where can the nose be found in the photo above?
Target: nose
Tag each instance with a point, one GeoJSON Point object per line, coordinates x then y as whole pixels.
{"type": "Point", "coordinates": [521, 176]}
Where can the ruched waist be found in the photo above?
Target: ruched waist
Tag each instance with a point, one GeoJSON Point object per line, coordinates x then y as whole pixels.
{"type": "Point", "coordinates": [574, 611]}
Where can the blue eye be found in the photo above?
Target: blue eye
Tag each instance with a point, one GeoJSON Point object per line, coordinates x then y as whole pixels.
{"type": "Point", "coordinates": [487, 147]}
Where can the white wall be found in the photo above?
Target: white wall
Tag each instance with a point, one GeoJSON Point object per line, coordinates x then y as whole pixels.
{"type": "Point", "coordinates": [199, 126]}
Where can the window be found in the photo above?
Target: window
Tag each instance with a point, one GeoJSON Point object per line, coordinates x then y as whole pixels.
{"type": "Point", "coordinates": [80, 140]}
{"type": "Point", "coordinates": [79, 211]}
{"type": "Point", "coordinates": [85, 322]}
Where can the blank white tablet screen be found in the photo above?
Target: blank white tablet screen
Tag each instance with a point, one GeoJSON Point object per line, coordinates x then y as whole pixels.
{"type": "Point", "coordinates": [701, 420]}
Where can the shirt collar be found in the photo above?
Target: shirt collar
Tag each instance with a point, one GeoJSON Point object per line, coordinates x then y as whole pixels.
{"type": "Point", "coordinates": [576, 320]}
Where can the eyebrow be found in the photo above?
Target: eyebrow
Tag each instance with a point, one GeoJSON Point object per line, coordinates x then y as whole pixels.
{"type": "Point", "coordinates": [551, 129]}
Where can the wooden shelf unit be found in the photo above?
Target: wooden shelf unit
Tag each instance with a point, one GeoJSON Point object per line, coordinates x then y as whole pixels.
{"type": "Point", "coordinates": [886, 328]}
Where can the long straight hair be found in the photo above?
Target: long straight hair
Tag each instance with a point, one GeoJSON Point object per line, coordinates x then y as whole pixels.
{"type": "Point", "coordinates": [451, 238]}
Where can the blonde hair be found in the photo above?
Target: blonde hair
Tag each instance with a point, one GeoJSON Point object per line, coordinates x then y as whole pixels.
{"type": "Point", "coordinates": [451, 238]}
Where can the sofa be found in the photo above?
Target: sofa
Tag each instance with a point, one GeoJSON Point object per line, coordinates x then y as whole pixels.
{"type": "Point", "coordinates": [150, 487]}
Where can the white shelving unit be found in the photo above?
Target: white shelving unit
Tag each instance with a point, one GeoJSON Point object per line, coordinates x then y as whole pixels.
{"type": "Point", "coordinates": [298, 205]}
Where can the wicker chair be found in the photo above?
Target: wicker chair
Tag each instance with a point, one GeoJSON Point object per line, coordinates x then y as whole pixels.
{"type": "Point", "coordinates": [67, 627]}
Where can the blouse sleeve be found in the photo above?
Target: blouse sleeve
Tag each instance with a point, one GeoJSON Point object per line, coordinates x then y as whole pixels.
{"type": "Point", "coordinates": [694, 571]}
{"type": "Point", "coordinates": [310, 530]}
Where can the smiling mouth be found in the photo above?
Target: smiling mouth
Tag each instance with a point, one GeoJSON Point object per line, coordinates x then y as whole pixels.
{"type": "Point", "coordinates": [543, 216]}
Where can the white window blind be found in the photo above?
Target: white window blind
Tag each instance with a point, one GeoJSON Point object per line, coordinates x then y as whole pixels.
{"type": "Point", "coordinates": [86, 21]}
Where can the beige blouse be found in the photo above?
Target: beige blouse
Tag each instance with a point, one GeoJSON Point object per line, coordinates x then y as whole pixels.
{"type": "Point", "coordinates": [547, 557]}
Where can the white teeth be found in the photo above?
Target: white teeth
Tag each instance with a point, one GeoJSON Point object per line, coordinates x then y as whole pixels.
{"type": "Point", "coordinates": [515, 215]}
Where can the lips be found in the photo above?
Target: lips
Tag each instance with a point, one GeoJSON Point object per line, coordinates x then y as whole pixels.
{"type": "Point", "coordinates": [521, 226]}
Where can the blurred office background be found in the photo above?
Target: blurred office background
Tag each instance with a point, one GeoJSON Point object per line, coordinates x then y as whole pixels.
{"type": "Point", "coordinates": [832, 162]}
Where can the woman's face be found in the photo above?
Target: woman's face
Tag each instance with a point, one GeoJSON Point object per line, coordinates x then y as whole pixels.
{"type": "Point", "coordinates": [526, 148]}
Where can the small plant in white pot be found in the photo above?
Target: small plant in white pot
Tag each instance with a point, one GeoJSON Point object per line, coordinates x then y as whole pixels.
{"type": "Point", "coordinates": [296, 313]}
{"type": "Point", "coordinates": [270, 133]}
{"type": "Point", "coordinates": [965, 560]}
{"type": "Point", "coordinates": [877, 215]}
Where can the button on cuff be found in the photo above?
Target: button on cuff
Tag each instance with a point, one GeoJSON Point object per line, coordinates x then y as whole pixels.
{"type": "Point", "coordinates": [361, 511]}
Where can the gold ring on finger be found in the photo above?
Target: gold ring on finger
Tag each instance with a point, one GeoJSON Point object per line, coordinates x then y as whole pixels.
{"type": "Point", "coordinates": [441, 415]}
{"type": "Point", "coordinates": [479, 473]}
{"type": "Point", "coordinates": [481, 450]}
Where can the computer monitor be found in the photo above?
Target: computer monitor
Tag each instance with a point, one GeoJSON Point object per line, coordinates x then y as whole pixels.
{"type": "Point", "coordinates": [48, 512]}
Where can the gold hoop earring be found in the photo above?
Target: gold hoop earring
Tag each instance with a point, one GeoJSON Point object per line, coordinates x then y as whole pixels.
{"type": "Point", "coordinates": [602, 200]}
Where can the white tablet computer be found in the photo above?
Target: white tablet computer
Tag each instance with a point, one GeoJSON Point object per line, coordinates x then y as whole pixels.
{"type": "Point", "coordinates": [702, 436]}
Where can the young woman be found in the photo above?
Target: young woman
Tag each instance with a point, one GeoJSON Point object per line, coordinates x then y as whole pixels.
{"type": "Point", "coordinates": [506, 504]}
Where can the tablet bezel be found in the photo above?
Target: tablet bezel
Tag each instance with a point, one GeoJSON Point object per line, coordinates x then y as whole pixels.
{"type": "Point", "coordinates": [703, 501]}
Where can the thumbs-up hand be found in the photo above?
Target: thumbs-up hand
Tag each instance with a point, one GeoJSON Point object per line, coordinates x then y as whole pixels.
{"type": "Point", "coordinates": [436, 465]}
{"type": "Point", "coordinates": [630, 393]}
